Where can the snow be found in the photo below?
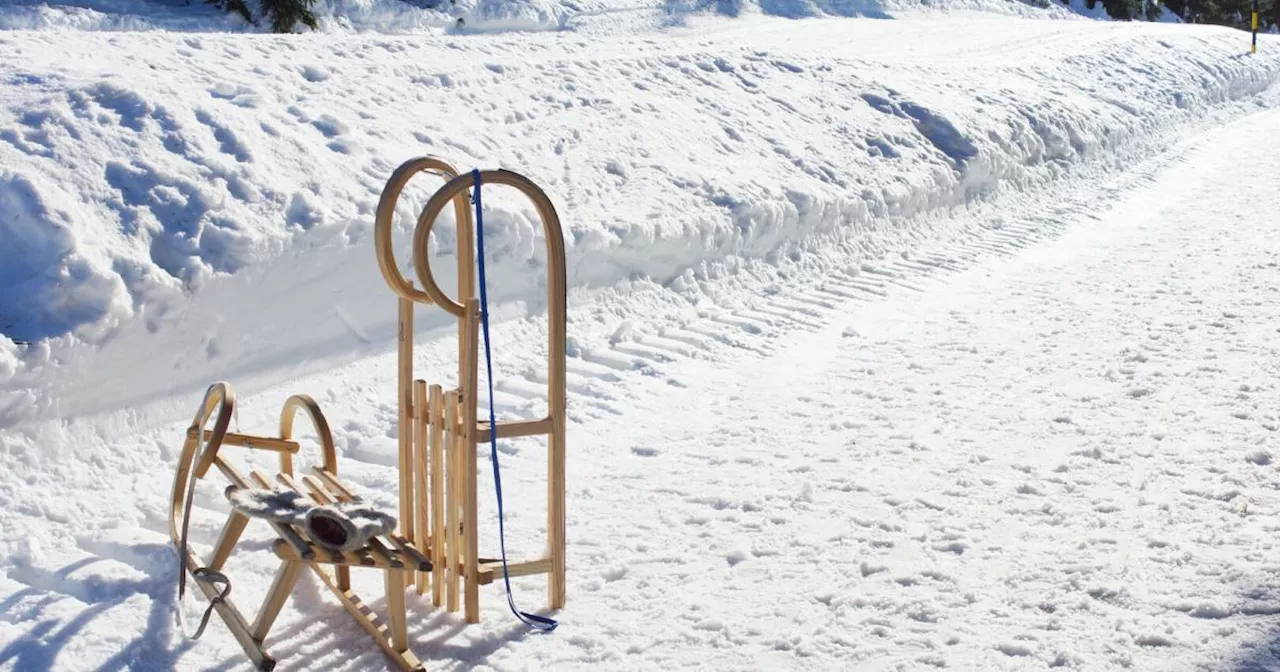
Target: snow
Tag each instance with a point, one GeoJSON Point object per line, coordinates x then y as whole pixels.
{"type": "Point", "coordinates": [201, 166]}
{"type": "Point", "coordinates": [945, 340]}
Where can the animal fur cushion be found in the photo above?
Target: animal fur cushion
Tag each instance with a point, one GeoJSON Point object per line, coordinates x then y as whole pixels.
{"type": "Point", "coordinates": [341, 527]}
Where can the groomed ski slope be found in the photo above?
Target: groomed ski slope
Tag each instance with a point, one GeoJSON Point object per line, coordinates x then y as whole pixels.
{"type": "Point", "coordinates": [891, 350]}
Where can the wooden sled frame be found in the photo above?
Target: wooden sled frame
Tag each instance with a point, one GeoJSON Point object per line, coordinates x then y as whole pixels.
{"type": "Point", "coordinates": [439, 430]}
{"type": "Point", "coordinates": [439, 434]}
{"type": "Point", "coordinates": [391, 553]}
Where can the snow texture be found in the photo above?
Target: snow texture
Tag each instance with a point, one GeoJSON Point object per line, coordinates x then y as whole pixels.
{"type": "Point", "coordinates": [155, 177]}
{"type": "Point", "coordinates": [940, 341]}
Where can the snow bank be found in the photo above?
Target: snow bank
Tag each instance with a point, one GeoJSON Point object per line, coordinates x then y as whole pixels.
{"type": "Point", "coordinates": [478, 16]}
{"type": "Point", "coordinates": [116, 15]}
{"type": "Point", "coordinates": [153, 182]}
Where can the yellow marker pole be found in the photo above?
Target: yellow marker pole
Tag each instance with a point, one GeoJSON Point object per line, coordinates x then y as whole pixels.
{"type": "Point", "coordinates": [1254, 49]}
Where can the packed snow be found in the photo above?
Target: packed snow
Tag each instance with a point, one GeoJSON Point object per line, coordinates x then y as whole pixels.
{"type": "Point", "coordinates": [940, 337]}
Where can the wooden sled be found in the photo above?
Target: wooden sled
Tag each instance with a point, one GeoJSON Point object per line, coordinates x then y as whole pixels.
{"type": "Point", "coordinates": [435, 541]}
{"type": "Point", "coordinates": [390, 553]}
{"type": "Point", "coordinates": [439, 430]}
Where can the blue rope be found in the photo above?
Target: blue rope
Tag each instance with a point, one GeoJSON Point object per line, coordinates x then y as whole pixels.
{"type": "Point", "coordinates": [532, 620]}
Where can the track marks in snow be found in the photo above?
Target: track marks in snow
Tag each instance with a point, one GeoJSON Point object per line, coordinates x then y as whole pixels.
{"type": "Point", "coordinates": [752, 328]}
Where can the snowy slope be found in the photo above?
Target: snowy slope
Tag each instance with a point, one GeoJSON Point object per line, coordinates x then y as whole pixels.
{"type": "Point", "coordinates": [153, 178]}
{"type": "Point", "coordinates": [1047, 444]}
{"type": "Point", "coordinates": [429, 16]}
{"type": "Point", "coordinates": [817, 419]}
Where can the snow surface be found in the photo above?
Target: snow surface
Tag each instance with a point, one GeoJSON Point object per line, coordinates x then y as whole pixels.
{"type": "Point", "coordinates": [940, 341]}
{"type": "Point", "coordinates": [153, 178]}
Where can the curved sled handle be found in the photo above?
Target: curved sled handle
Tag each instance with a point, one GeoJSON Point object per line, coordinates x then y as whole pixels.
{"type": "Point", "coordinates": [219, 397]}
{"type": "Point", "coordinates": [455, 190]}
{"type": "Point", "coordinates": [386, 213]}
{"type": "Point", "coordinates": [288, 413]}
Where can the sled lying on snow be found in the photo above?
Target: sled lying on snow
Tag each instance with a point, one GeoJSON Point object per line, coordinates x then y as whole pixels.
{"type": "Point", "coordinates": [319, 521]}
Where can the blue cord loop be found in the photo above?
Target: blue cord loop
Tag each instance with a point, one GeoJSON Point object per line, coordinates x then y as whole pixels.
{"type": "Point", "coordinates": [532, 620]}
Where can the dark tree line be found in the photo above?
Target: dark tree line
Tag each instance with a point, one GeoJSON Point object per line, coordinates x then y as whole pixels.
{"type": "Point", "coordinates": [1234, 13]}
{"type": "Point", "coordinates": [284, 15]}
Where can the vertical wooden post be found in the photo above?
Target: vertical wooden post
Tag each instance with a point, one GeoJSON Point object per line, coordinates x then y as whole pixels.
{"type": "Point", "coordinates": [435, 405]}
{"type": "Point", "coordinates": [396, 609]}
{"type": "Point", "coordinates": [557, 325]}
{"type": "Point", "coordinates": [406, 419]}
{"type": "Point", "coordinates": [468, 366]}
{"type": "Point", "coordinates": [466, 289]}
{"type": "Point", "coordinates": [420, 456]}
{"type": "Point", "coordinates": [470, 515]}
{"type": "Point", "coordinates": [555, 512]}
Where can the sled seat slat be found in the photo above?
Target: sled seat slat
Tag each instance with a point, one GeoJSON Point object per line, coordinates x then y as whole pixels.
{"type": "Point", "coordinates": [322, 556]}
{"type": "Point", "coordinates": [388, 551]}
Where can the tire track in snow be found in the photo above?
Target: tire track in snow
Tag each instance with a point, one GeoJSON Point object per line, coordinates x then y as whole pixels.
{"type": "Point", "coordinates": [808, 303]}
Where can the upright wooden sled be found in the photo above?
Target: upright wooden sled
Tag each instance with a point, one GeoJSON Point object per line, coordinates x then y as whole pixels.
{"type": "Point", "coordinates": [435, 543]}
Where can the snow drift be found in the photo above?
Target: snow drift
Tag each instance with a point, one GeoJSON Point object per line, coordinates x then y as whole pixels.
{"type": "Point", "coordinates": [434, 16]}
{"type": "Point", "coordinates": [150, 180]}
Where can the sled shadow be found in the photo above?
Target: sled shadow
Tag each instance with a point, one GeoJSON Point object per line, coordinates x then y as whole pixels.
{"type": "Point", "coordinates": [433, 633]}
{"type": "Point", "coordinates": [39, 648]}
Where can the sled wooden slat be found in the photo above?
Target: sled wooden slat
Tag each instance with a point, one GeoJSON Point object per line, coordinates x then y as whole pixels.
{"type": "Point", "coordinates": [470, 510]}
{"type": "Point", "coordinates": [435, 405]}
{"type": "Point", "coordinates": [323, 556]}
{"type": "Point", "coordinates": [411, 556]}
{"type": "Point", "coordinates": [421, 456]}
{"type": "Point", "coordinates": [405, 458]}
{"type": "Point", "coordinates": [260, 478]}
{"type": "Point", "coordinates": [231, 472]}
{"type": "Point", "coordinates": [284, 551]}
{"type": "Point", "coordinates": [383, 554]}
{"type": "Point", "coordinates": [342, 492]}
{"type": "Point", "coordinates": [452, 446]}
{"type": "Point", "coordinates": [358, 557]}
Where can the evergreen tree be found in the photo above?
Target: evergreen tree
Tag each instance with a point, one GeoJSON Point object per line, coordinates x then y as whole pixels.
{"type": "Point", "coordinates": [283, 15]}
{"type": "Point", "coordinates": [237, 6]}
{"type": "Point", "coordinates": [1123, 10]}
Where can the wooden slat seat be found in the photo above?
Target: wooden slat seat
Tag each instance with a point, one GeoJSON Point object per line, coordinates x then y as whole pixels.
{"type": "Point", "coordinates": [386, 551]}
{"type": "Point", "coordinates": [363, 557]}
